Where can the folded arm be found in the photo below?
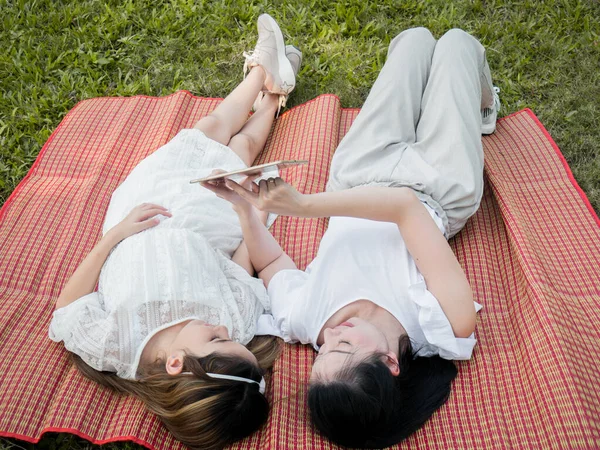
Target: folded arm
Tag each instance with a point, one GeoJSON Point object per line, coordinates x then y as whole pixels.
{"type": "Point", "coordinates": [241, 256]}
{"type": "Point", "coordinates": [266, 254]}
{"type": "Point", "coordinates": [84, 279]}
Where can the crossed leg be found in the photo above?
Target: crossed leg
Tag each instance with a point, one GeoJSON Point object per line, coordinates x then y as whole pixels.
{"type": "Point", "coordinates": [421, 125]}
{"type": "Point", "coordinates": [229, 123]}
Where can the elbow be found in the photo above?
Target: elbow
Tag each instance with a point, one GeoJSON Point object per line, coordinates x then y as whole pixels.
{"type": "Point", "coordinates": [466, 324]}
{"type": "Point", "coordinates": [465, 328]}
{"type": "Point", "coordinates": [61, 302]}
{"type": "Point", "coordinates": [406, 198]}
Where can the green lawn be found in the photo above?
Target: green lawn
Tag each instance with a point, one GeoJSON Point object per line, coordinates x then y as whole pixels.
{"type": "Point", "coordinates": [544, 55]}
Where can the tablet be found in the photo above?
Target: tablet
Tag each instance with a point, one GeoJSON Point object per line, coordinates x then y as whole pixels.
{"type": "Point", "coordinates": [254, 170]}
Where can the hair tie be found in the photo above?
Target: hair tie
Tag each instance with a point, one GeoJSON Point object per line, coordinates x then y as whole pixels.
{"type": "Point", "coordinates": [261, 384]}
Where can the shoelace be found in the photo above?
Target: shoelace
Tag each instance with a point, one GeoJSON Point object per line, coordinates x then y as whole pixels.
{"type": "Point", "coordinates": [250, 58]}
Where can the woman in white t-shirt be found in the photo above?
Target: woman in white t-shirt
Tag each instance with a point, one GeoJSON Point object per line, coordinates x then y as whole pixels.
{"type": "Point", "coordinates": [176, 300]}
{"type": "Point", "coordinates": [385, 302]}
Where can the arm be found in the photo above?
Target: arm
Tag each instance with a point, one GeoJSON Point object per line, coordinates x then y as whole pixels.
{"type": "Point", "coordinates": [241, 256]}
{"type": "Point", "coordinates": [433, 256]}
{"type": "Point", "coordinates": [266, 255]}
{"type": "Point", "coordinates": [84, 279]}
{"type": "Point", "coordinates": [437, 263]}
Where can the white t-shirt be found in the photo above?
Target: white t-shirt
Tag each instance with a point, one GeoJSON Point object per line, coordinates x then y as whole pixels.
{"type": "Point", "coordinates": [361, 259]}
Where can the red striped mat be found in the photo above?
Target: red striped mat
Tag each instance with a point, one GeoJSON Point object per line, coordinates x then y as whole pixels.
{"type": "Point", "coordinates": [532, 254]}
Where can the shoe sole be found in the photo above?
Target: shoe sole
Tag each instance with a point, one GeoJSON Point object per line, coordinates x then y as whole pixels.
{"type": "Point", "coordinates": [293, 50]}
{"type": "Point", "coordinates": [489, 128]}
{"type": "Point", "coordinates": [284, 65]}
{"type": "Point", "coordinates": [488, 131]}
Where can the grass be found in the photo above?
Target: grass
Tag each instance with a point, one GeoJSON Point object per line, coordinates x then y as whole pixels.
{"type": "Point", "coordinates": [544, 55]}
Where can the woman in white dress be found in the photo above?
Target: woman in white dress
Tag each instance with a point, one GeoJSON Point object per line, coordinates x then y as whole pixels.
{"type": "Point", "coordinates": [385, 302]}
{"type": "Point", "coordinates": [177, 301]}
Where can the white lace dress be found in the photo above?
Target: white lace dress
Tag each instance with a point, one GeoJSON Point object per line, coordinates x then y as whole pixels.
{"type": "Point", "coordinates": [179, 270]}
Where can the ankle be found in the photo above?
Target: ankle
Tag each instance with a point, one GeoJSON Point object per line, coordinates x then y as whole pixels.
{"type": "Point", "coordinates": [258, 71]}
{"type": "Point", "coordinates": [269, 101]}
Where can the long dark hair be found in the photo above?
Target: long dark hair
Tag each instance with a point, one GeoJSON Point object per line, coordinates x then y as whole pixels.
{"type": "Point", "coordinates": [200, 411]}
{"type": "Point", "coordinates": [366, 406]}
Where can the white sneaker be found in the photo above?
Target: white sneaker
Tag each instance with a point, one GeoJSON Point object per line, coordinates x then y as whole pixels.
{"type": "Point", "coordinates": [489, 115]}
{"type": "Point", "coordinates": [269, 53]}
{"type": "Point", "coordinates": [294, 55]}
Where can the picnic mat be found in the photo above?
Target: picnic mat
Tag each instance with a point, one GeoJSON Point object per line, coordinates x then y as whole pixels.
{"type": "Point", "coordinates": [531, 253]}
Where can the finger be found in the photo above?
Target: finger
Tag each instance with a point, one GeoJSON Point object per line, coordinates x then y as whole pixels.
{"type": "Point", "coordinates": [217, 188]}
{"type": "Point", "coordinates": [254, 188]}
{"type": "Point", "coordinates": [247, 181]}
{"type": "Point", "coordinates": [147, 213]}
{"type": "Point", "coordinates": [210, 186]}
{"type": "Point", "coordinates": [221, 191]}
{"type": "Point", "coordinates": [279, 181]}
{"type": "Point", "coordinates": [152, 205]}
{"type": "Point", "coordinates": [263, 186]}
{"type": "Point", "coordinates": [149, 223]}
{"type": "Point", "coordinates": [247, 195]}
{"type": "Point", "coordinates": [271, 184]}
{"type": "Point", "coordinates": [218, 171]}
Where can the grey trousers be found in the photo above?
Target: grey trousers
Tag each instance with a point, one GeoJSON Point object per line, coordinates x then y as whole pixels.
{"type": "Point", "coordinates": [421, 125]}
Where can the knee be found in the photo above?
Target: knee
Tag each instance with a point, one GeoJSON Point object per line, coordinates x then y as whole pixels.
{"type": "Point", "coordinates": [242, 143]}
{"type": "Point", "coordinates": [456, 45]}
{"type": "Point", "coordinates": [418, 37]}
{"type": "Point", "coordinates": [213, 127]}
{"type": "Point", "coordinates": [455, 38]}
{"type": "Point", "coordinates": [419, 34]}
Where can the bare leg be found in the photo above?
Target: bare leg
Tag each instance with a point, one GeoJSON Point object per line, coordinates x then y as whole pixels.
{"type": "Point", "coordinates": [231, 114]}
{"type": "Point", "coordinates": [248, 143]}
{"type": "Point", "coordinates": [251, 139]}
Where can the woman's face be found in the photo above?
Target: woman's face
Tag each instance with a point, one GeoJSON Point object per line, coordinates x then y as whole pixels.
{"type": "Point", "coordinates": [348, 343]}
{"type": "Point", "coordinates": [201, 339]}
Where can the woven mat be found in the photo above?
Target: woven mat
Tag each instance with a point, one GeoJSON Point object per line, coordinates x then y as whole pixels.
{"type": "Point", "coordinates": [531, 253]}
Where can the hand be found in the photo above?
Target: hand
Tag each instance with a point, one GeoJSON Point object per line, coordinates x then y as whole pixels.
{"type": "Point", "coordinates": [219, 187]}
{"type": "Point", "coordinates": [139, 219]}
{"type": "Point", "coordinates": [273, 195]}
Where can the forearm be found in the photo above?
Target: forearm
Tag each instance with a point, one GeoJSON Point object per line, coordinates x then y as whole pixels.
{"type": "Point", "coordinates": [242, 258]}
{"type": "Point", "coordinates": [84, 279]}
{"type": "Point", "coordinates": [383, 204]}
{"type": "Point", "coordinates": [437, 263]}
{"type": "Point", "coordinates": [262, 247]}
{"type": "Point", "coordinates": [241, 255]}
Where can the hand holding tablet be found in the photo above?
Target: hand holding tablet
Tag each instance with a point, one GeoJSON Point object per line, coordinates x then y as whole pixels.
{"type": "Point", "coordinates": [254, 171]}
